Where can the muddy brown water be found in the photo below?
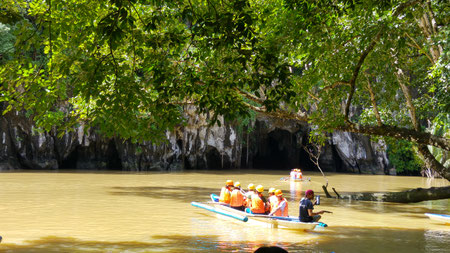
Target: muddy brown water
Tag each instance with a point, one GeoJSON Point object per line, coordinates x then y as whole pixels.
{"type": "Point", "coordinates": [74, 211]}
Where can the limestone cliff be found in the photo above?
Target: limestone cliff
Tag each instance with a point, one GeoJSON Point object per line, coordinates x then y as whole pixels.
{"type": "Point", "coordinates": [272, 144]}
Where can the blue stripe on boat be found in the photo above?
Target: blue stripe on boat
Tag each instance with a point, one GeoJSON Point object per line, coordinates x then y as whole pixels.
{"type": "Point", "coordinates": [438, 215]}
{"type": "Point", "coordinates": [223, 212]}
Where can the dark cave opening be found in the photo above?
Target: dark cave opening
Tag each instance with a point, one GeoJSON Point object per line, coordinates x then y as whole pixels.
{"type": "Point", "coordinates": [338, 163]}
{"type": "Point", "coordinates": [113, 158]}
{"type": "Point", "coordinates": [213, 159]}
{"type": "Point", "coordinates": [86, 158]}
{"type": "Point", "coordinates": [277, 151]}
{"type": "Point", "coordinates": [281, 151]}
{"type": "Point", "coordinates": [71, 160]}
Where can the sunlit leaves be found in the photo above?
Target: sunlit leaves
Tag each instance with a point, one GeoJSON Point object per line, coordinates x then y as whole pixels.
{"type": "Point", "coordinates": [129, 67]}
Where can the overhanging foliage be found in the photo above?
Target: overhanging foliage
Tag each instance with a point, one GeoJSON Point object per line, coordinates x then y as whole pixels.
{"type": "Point", "coordinates": [129, 66]}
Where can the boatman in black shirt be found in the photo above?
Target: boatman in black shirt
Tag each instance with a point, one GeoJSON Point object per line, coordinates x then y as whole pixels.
{"type": "Point", "coordinates": [306, 213]}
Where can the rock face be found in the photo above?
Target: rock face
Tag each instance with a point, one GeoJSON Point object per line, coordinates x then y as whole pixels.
{"type": "Point", "coordinates": [266, 144]}
{"type": "Point", "coordinates": [359, 154]}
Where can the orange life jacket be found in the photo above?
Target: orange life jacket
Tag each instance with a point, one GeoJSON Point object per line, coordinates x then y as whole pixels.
{"type": "Point", "coordinates": [281, 212]}
{"type": "Point", "coordinates": [225, 195]}
{"type": "Point", "coordinates": [258, 205]}
{"type": "Point", "coordinates": [237, 199]}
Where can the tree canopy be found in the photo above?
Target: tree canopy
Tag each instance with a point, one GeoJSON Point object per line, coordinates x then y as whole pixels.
{"type": "Point", "coordinates": [128, 67]}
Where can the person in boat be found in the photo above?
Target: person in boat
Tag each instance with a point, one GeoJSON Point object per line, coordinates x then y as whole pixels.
{"type": "Point", "coordinates": [272, 198]}
{"type": "Point", "coordinates": [225, 193]}
{"type": "Point", "coordinates": [293, 173]}
{"type": "Point", "coordinates": [240, 188]}
{"type": "Point", "coordinates": [237, 198]}
{"type": "Point", "coordinates": [248, 195]}
{"type": "Point", "coordinates": [296, 174]}
{"type": "Point", "coordinates": [259, 203]}
{"type": "Point", "coordinates": [251, 190]}
{"type": "Point", "coordinates": [280, 207]}
{"type": "Point", "coordinates": [299, 174]}
{"type": "Point", "coordinates": [306, 208]}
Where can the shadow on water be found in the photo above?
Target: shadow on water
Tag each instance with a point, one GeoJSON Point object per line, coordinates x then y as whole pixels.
{"type": "Point", "coordinates": [337, 239]}
{"type": "Point", "coordinates": [413, 209]}
{"type": "Point", "coordinates": [167, 244]}
{"type": "Point", "coordinates": [179, 193]}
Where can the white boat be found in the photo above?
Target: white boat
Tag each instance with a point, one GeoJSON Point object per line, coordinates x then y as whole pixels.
{"type": "Point", "coordinates": [274, 221]}
{"type": "Point", "coordinates": [439, 217]}
{"type": "Point", "coordinates": [257, 219]}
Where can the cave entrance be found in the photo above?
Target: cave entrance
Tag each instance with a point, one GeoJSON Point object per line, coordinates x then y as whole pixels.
{"type": "Point", "coordinates": [213, 158]}
{"type": "Point", "coordinates": [114, 162]}
{"type": "Point", "coordinates": [277, 151]}
{"type": "Point", "coordinates": [71, 161]}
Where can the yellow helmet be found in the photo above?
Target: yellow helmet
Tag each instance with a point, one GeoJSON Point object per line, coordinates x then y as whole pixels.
{"type": "Point", "coordinates": [260, 188]}
{"type": "Point", "coordinates": [278, 192]}
{"type": "Point", "coordinates": [271, 190]}
{"type": "Point", "coordinates": [237, 184]}
{"type": "Point", "coordinates": [229, 182]}
{"type": "Point", "coordinates": [251, 187]}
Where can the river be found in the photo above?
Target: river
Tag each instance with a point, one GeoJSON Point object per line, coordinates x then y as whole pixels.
{"type": "Point", "coordinates": [105, 211]}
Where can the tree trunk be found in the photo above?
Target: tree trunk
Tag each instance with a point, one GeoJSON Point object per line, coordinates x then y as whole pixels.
{"type": "Point", "coordinates": [409, 196]}
{"type": "Point", "coordinates": [424, 152]}
{"type": "Point", "coordinates": [399, 133]}
{"type": "Point", "coordinates": [428, 25]}
{"type": "Point", "coordinates": [431, 162]}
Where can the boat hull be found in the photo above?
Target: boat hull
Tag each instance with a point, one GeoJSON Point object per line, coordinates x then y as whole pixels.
{"type": "Point", "coordinates": [268, 221]}
{"type": "Point", "coordinates": [439, 217]}
{"type": "Point", "coordinates": [275, 222]}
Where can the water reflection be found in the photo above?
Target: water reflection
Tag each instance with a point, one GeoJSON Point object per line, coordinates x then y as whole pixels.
{"type": "Point", "coordinates": [296, 190]}
{"type": "Point", "coordinates": [178, 193]}
{"type": "Point", "coordinates": [339, 239]}
{"type": "Point", "coordinates": [168, 244]}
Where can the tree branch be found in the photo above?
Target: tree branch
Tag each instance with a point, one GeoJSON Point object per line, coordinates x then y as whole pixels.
{"type": "Point", "coordinates": [352, 81]}
{"type": "Point", "coordinates": [314, 97]}
{"type": "Point", "coordinates": [431, 162]}
{"type": "Point", "coordinates": [314, 155]}
{"type": "Point", "coordinates": [366, 52]}
{"type": "Point", "coordinates": [50, 42]}
{"type": "Point", "coordinates": [398, 133]}
{"type": "Point", "coordinates": [384, 130]}
{"type": "Point", "coordinates": [114, 61]}
{"type": "Point", "coordinates": [418, 47]}
{"type": "Point", "coordinates": [407, 94]}
{"type": "Point", "coordinates": [374, 103]}
{"type": "Point", "coordinates": [137, 13]}
{"type": "Point", "coordinates": [338, 83]}
{"type": "Point", "coordinates": [249, 96]}
{"type": "Point", "coordinates": [427, 157]}
{"type": "Point", "coordinates": [403, 6]}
